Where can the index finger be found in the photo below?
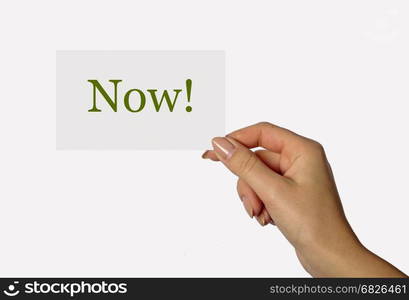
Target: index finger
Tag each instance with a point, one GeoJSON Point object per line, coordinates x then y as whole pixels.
{"type": "Point", "coordinates": [268, 136]}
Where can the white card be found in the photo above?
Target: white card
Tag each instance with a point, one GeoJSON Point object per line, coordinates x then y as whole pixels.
{"type": "Point", "coordinates": [139, 99]}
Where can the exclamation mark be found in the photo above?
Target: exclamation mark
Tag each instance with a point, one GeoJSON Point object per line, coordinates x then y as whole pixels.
{"type": "Point", "coordinates": [188, 90]}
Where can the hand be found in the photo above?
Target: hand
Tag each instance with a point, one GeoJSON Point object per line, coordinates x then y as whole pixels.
{"type": "Point", "coordinates": [290, 184]}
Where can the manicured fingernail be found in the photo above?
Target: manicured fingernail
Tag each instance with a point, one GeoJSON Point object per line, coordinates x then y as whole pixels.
{"type": "Point", "coordinates": [260, 220]}
{"type": "Point", "coordinates": [248, 207]}
{"type": "Point", "coordinates": [205, 154]}
{"type": "Point", "coordinates": [223, 147]}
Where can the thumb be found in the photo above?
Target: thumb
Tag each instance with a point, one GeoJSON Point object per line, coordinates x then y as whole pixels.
{"type": "Point", "coordinates": [246, 165]}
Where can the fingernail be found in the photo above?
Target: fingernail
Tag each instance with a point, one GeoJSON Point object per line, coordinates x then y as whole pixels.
{"type": "Point", "coordinates": [204, 155]}
{"type": "Point", "coordinates": [248, 208]}
{"type": "Point", "coordinates": [268, 220]}
{"type": "Point", "coordinates": [223, 147]}
{"type": "Point", "coordinates": [260, 220]}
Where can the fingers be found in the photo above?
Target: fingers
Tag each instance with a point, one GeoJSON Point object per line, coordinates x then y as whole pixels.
{"type": "Point", "coordinates": [258, 172]}
{"type": "Point", "coordinates": [209, 154]}
{"type": "Point", "coordinates": [247, 166]}
{"type": "Point", "coordinates": [264, 218]}
{"type": "Point", "coordinates": [266, 135]}
{"type": "Point", "coordinates": [271, 159]}
{"type": "Point", "coordinates": [270, 137]}
{"type": "Point", "coordinates": [251, 201]}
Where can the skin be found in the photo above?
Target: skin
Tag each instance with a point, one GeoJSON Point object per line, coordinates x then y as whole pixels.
{"type": "Point", "coordinates": [290, 184]}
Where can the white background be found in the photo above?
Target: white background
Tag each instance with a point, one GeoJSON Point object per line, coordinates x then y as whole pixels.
{"type": "Point", "coordinates": [336, 71]}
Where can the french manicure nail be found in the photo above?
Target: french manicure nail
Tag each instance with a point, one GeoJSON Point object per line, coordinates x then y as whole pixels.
{"type": "Point", "coordinates": [223, 147]}
{"type": "Point", "coordinates": [204, 155]}
{"type": "Point", "coordinates": [268, 220]}
{"type": "Point", "coordinates": [260, 220]}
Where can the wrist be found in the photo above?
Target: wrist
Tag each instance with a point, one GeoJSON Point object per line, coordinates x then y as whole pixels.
{"type": "Point", "coordinates": [332, 257]}
{"type": "Point", "coordinates": [346, 258]}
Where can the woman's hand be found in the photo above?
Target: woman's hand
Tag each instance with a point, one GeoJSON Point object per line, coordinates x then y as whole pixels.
{"type": "Point", "coordinates": [290, 184]}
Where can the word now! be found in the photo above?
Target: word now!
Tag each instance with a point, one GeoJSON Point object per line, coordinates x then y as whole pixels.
{"type": "Point", "coordinates": [113, 101]}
